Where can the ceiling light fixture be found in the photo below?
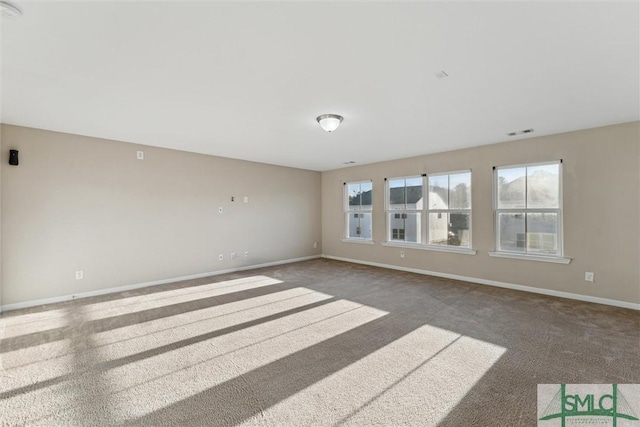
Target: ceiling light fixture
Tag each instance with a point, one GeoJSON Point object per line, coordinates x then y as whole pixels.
{"type": "Point", "coordinates": [329, 122]}
{"type": "Point", "coordinates": [9, 9]}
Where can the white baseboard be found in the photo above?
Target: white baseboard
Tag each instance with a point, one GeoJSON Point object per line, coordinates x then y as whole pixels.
{"type": "Point", "coordinates": [33, 303]}
{"type": "Point", "coordinates": [587, 298]}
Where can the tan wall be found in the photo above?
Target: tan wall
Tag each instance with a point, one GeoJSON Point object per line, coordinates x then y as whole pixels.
{"type": "Point", "coordinates": [80, 203]}
{"type": "Point", "coordinates": [601, 209]}
{"type": "Point", "coordinates": [1, 169]}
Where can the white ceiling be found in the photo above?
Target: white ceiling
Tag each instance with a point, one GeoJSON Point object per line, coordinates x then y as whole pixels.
{"type": "Point", "coordinates": [246, 80]}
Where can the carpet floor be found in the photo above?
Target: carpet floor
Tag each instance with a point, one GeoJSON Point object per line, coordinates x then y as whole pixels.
{"type": "Point", "coordinates": [316, 343]}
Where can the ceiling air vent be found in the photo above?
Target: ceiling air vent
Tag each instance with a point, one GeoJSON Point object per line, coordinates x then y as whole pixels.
{"type": "Point", "coordinates": [520, 132]}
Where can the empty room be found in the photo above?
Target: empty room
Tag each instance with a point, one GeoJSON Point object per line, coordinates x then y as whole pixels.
{"type": "Point", "coordinates": [320, 213]}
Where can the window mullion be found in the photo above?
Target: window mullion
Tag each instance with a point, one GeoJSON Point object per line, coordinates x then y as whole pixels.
{"type": "Point", "coordinates": [424, 212]}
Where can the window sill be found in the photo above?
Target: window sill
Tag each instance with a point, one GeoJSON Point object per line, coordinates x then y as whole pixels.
{"type": "Point", "coordinates": [360, 241]}
{"type": "Point", "coordinates": [539, 258]}
{"type": "Point", "coordinates": [449, 249]}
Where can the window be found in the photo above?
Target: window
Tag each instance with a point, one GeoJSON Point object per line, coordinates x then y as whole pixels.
{"type": "Point", "coordinates": [528, 209]}
{"type": "Point", "coordinates": [449, 210]}
{"type": "Point", "coordinates": [438, 219]}
{"type": "Point", "coordinates": [404, 209]}
{"type": "Point", "coordinates": [358, 210]}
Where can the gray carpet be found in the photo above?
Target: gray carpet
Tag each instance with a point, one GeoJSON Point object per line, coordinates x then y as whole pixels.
{"type": "Point", "coordinates": [317, 343]}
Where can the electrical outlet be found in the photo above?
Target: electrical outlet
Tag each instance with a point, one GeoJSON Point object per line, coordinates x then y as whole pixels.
{"type": "Point", "coordinates": [246, 199]}
{"type": "Point", "coordinates": [220, 257]}
{"type": "Point", "coordinates": [246, 254]}
{"type": "Point", "coordinates": [79, 275]}
{"type": "Point", "coordinates": [401, 254]}
{"type": "Point", "coordinates": [233, 255]}
{"type": "Point", "coordinates": [588, 276]}
{"type": "Point", "coordinates": [140, 155]}
{"type": "Point", "coordinates": [220, 210]}
{"type": "Point", "coordinates": [315, 245]}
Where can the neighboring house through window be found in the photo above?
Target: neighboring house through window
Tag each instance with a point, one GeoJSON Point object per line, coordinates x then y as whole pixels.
{"type": "Point", "coordinates": [439, 217]}
{"type": "Point", "coordinates": [449, 210]}
{"type": "Point", "coordinates": [404, 209]}
{"type": "Point", "coordinates": [358, 209]}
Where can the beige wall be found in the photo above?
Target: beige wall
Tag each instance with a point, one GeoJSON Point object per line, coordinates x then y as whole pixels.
{"type": "Point", "coordinates": [80, 203]}
{"type": "Point", "coordinates": [601, 209]}
{"type": "Point", "coordinates": [2, 160]}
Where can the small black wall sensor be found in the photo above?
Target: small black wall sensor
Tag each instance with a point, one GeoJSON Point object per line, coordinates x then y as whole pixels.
{"type": "Point", "coordinates": [13, 157]}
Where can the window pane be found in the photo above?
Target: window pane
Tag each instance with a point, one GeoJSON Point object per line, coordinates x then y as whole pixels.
{"type": "Point", "coordinates": [439, 192]}
{"type": "Point", "coordinates": [511, 188]}
{"type": "Point", "coordinates": [354, 193]}
{"type": "Point", "coordinates": [449, 229]}
{"type": "Point", "coordinates": [438, 228]}
{"type": "Point", "coordinates": [397, 194]}
{"type": "Point", "coordinates": [359, 195]}
{"type": "Point", "coordinates": [543, 184]}
{"type": "Point", "coordinates": [414, 193]}
{"type": "Point", "coordinates": [542, 233]}
{"type": "Point", "coordinates": [458, 229]}
{"type": "Point", "coordinates": [511, 227]}
{"type": "Point", "coordinates": [405, 227]}
{"type": "Point", "coordinates": [460, 191]}
{"type": "Point", "coordinates": [365, 195]}
{"type": "Point", "coordinates": [359, 225]}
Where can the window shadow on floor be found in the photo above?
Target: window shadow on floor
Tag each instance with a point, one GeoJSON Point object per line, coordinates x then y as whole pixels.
{"type": "Point", "coordinates": [545, 340]}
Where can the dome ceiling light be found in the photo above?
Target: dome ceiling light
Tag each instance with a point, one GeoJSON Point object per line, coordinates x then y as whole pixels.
{"type": "Point", "coordinates": [329, 122]}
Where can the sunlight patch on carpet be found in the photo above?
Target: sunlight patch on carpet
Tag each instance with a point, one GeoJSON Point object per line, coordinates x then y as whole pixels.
{"type": "Point", "coordinates": [39, 363]}
{"type": "Point", "coordinates": [424, 374]}
{"type": "Point", "coordinates": [157, 380]}
{"type": "Point", "coordinates": [51, 319]}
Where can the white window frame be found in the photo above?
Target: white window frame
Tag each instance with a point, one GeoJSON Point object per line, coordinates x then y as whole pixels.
{"type": "Point", "coordinates": [389, 211]}
{"type": "Point", "coordinates": [501, 253]}
{"type": "Point", "coordinates": [349, 210]}
{"type": "Point", "coordinates": [449, 210]}
{"type": "Point", "coordinates": [424, 215]}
